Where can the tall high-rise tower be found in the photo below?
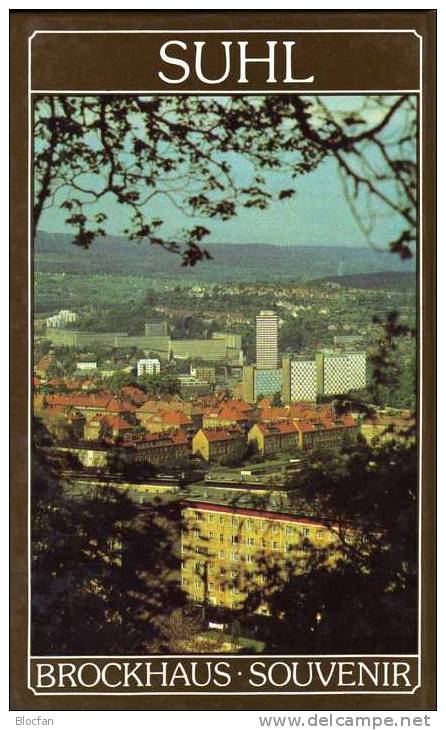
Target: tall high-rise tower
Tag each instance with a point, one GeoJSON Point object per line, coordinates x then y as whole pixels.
{"type": "Point", "coordinates": [266, 340]}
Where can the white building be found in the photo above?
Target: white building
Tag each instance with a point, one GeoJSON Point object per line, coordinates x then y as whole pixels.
{"type": "Point", "coordinates": [299, 378]}
{"type": "Point", "coordinates": [86, 365]}
{"type": "Point", "coordinates": [339, 371]}
{"type": "Point", "coordinates": [61, 319]}
{"type": "Point", "coordinates": [267, 340]}
{"type": "Point", "coordinates": [148, 366]}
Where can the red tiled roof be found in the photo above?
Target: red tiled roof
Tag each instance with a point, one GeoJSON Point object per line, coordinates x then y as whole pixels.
{"type": "Point", "coordinates": [135, 394]}
{"type": "Point", "coordinates": [81, 400]}
{"type": "Point", "coordinates": [216, 434]}
{"type": "Point", "coordinates": [285, 427]}
{"type": "Point", "coordinates": [116, 423]}
{"type": "Point", "coordinates": [274, 429]}
{"type": "Point", "coordinates": [240, 405]}
{"type": "Point", "coordinates": [308, 410]}
{"type": "Point", "coordinates": [176, 418]}
{"type": "Point", "coordinates": [326, 424]}
{"type": "Point", "coordinates": [273, 414]}
{"type": "Point", "coordinates": [229, 413]}
{"type": "Point", "coordinates": [116, 405]}
{"type": "Point", "coordinates": [263, 514]}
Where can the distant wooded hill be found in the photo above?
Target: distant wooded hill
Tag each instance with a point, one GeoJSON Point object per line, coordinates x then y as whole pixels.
{"type": "Point", "coordinates": [394, 280]}
{"type": "Point", "coordinates": [237, 262]}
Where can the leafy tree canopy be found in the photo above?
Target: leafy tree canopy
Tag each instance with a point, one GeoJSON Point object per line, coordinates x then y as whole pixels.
{"type": "Point", "coordinates": [94, 151]}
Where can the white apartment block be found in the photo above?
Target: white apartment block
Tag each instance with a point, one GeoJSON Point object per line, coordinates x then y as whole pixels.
{"type": "Point", "coordinates": [62, 318]}
{"type": "Point", "coordinates": [303, 380]}
{"type": "Point", "coordinates": [339, 372]}
{"type": "Point", "coordinates": [267, 340]}
{"type": "Point", "coordinates": [148, 366]}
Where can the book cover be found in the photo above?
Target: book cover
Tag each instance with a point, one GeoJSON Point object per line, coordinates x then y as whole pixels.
{"type": "Point", "coordinates": [222, 385]}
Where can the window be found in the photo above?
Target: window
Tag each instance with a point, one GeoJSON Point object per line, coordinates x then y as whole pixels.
{"type": "Point", "coordinates": [264, 526]}
{"type": "Point", "coordinates": [221, 520]}
{"type": "Point", "coordinates": [305, 531]}
{"type": "Point", "coordinates": [289, 530]}
{"type": "Point", "coordinates": [197, 584]}
{"type": "Point", "coordinates": [235, 556]}
{"type": "Point", "coordinates": [349, 537]}
{"type": "Point", "coordinates": [275, 528]}
{"type": "Point", "coordinates": [320, 534]}
{"type": "Point", "coordinates": [211, 518]}
{"type": "Point", "coordinates": [250, 558]}
{"type": "Point", "coordinates": [221, 553]}
{"type": "Point", "coordinates": [196, 534]}
{"type": "Point", "coordinates": [249, 524]}
{"type": "Point", "coordinates": [263, 543]}
{"type": "Point", "coordinates": [211, 535]}
{"type": "Point", "coordinates": [222, 537]}
{"type": "Point", "coordinates": [275, 545]}
{"type": "Point", "coordinates": [234, 521]}
{"type": "Point", "coordinates": [221, 589]}
{"type": "Point", "coordinates": [235, 573]}
{"type": "Point", "coordinates": [250, 541]}
{"type": "Point", "coordinates": [234, 539]}
{"type": "Point", "coordinates": [197, 550]}
{"type": "Point", "coordinates": [235, 591]}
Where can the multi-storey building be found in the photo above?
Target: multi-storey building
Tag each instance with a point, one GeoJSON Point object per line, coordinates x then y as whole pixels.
{"type": "Point", "coordinates": [273, 438]}
{"type": "Point", "coordinates": [267, 340]}
{"type": "Point", "coordinates": [216, 350]}
{"type": "Point", "coordinates": [203, 373]}
{"type": "Point", "coordinates": [148, 366]}
{"type": "Point", "coordinates": [212, 444]}
{"type": "Point", "coordinates": [228, 552]}
{"type": "Point", "coordinates": [232, 340]}
{"type": "Point", "coordinates": [261, 382]}
{"type": "Point", "coordinates": [226, 415]}
{"type": "Point", "coordinates": [163, 421]}
{"type": "Point", "coordinates": [340, 371]}
{"type": "Point", "coordinates": [62, 318]}
{"type": "Point", "coordinates": [299, 381]}
{"type": "Point", "coordinates": [88, 403]}
{"type": "Point", "coordinates": [157, 448]}
{"type": "Point", "coordinates": [191, 387]}
{"type": "Point", "coordinates": [86, 365]}
{"type": "Point", "coordinates": [327, 433]}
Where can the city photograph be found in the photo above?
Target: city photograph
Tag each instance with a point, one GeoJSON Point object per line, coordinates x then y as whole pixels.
{"type": "Point", "coordinates": [224, 375]}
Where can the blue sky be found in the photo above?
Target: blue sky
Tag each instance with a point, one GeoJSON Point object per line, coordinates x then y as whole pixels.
{"type": "Point", "coordinates": [317, 215]}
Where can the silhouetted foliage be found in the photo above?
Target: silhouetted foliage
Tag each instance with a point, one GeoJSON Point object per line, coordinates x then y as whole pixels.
{"type": "Point", "coordinates": [104, 569]}
{"type": "Point", "coordinates": [91, 150]}
{"type": "Point", "coordinates": [360, 593]}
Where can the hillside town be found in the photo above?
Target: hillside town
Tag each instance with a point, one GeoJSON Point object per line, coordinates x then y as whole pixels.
{"type": "Point", "coordinates": [227, 441]}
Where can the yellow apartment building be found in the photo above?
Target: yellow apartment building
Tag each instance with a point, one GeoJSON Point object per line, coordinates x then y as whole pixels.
{"type": "Point", "coordinates": [227, 551]}
{"type": "Point", "coordinates": [215, 443]}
